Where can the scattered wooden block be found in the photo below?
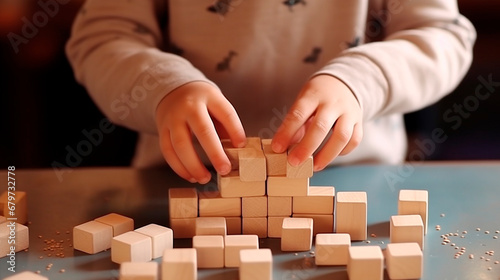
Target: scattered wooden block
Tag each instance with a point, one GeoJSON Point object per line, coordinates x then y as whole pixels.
{"type": "Point", "coordinates": [119, 223]}
{"type": "Point", "coordinates": [297, 234]}
{"type": "Point", "coordinates": [183, 203]}
{"type": "Point", "coordinates": [332, 248]}
{"type": "Point", "coordinates": [284, 186]}
{"type": "Point", "coordinates": [257, 226]}
{"type": "Point", "coordinates": [414, 202]}
{"type": "Point", "coordinates": [256, 264]}
{"type": "Point", "coordinates": [321, 223]}
{"type": "Point", "coordinates": [139, 270]}
{"type": "Point", "coordinates": [21, 234]}
{"type": "Point", "coordinates": [365, 263]}
{"type": "Point", "coordinates": [275, 162]}
{"type": "Point", "coordinates": [320, 200]}
{"type": "Point", "coordinates": [131, 246]}
{"type": "Point", "coordinates": [179, 263]}
{"type": "Point", "coordinates": [279, 206]}
{"type": "Point", "coordinates": [275, 226]}
{"type": "Point", "coordinates": [211, 226]}
{"type": "Point", "coordinates": [404, 261]}
{"type": "Point", "coordinates": [233, 225]}
{"type": "Point", "coordinates": [92, 237]}
{"type": "Point", "coordinates": [351, 214]}
{"type": "Point", "coordinates": [234, 243]}
{"type": "Point", "coordinates": [254, 206]}
{"type": "Point", "coordinates": [230, 185]}
{"type": "Point", "coordinates": [183, 228]}
{"type": "Point", "coordinates": [21, 205]}
{"type": "Point", "coordinates": [252, 165]}
{"type": "Point", "coordinates": [407, 228]}
{"type": "Point", "coordinates": [303, 170]}
{"type": "Point", "coordinates": [209, 251]}
{"type": "Point", "coordinates": [212, 204]}
{"type": "Point", "coordinates": [161, 238]}
{"type": "Point", "coordinates": [26, 275]}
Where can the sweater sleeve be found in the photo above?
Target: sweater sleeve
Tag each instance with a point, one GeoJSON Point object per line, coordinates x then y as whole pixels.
{"type": "Point", "coordinates": [425, 52]}
{"type": "Point", "coordinates": [114, 51]}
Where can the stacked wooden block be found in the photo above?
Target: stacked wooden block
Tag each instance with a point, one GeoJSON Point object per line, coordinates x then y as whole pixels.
{"type": "Point", "coordinates": [13, 217]}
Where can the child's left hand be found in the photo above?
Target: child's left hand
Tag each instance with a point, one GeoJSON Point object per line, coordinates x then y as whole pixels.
{"type": "Point", "coordinates": [324, 104]}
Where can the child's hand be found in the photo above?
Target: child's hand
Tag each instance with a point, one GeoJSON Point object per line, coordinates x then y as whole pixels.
{"type": "Point", "coordinates": [324, 104]}
{"type": "Point", "coordinates": [189, 110]}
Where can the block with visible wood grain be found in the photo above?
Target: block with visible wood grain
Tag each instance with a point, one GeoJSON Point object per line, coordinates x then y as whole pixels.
{"type": "Point", "coordinates": [284, 186]}
{"type": "Point", "coordinates": [211, 226]}
{"type": "Point", "coordinates": [365, 263]}
{"type": "Point", "coordinates": [11, 229]}
{"type": "Point", "coordinates": [139, 270]}
{"type": "Point", "coordinates": [252, 165]}
{"type": "Point", "coordinates": [296, 234]}
{"type": "Point", "coordinates": [212, 204]}
{"type": "Point", "coordinates": [182, 203]}
{"type": "Point", "coordinates": [320, 200]}
{"type": "Point", "coordinates": [279, 206]}
{"type": "Point", "coordinates": [131, 246]}
{"type": "Point", "coordinates": [351, 214]}
{"type": "Point", "coordinates": [209, 251]}
{"type": "Point", "coordinates": [92, 237]}
{"type": "Point", "coordinates": [275, 162]}
{"type": "Point", "coordinates": [255, 225]}
{"type": "Point", "coordinates": [161, 238]}
{"type": "Point", "coordinates": [234, 243]}
{"type": "Point", "coordinates": [414, 202]}
{"type": "Point", "coordinates": [119, 223]}
{"type": "Point", "coordinates": [321, 223]}
{"type": "Point", "coordinates": [231, 185]}
{"type": "Point", "coordinates": [183, 227]}
{"type": "Point", "coordinates": [254, 206]}
{"type": "Point", "coordinates": [332, 248]}
{"type": "Point", "coordinates": [275, 226]}
{"type": "Point", "coordinates": [179, 263]}
{"type": "Point", "coordinates": [407, 228]}
{"type": "Point", "coordinates": [404, 261]}
{"type": "Point", "coordinates": [256, 264]}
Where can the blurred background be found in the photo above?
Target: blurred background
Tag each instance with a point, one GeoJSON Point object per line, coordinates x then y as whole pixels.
{"type": "Point", "coordinates": [45, 114]}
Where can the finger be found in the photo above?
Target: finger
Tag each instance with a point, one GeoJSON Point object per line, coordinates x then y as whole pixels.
{"type": "Point", "coordinates": [172, 159]}
{"type": "Point", "coordinates": [357, 136]}
{"type": "Point", "coordinates": [226, 115]}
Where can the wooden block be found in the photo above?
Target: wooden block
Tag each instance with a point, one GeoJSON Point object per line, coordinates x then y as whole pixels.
{"type": "Point", "coordinates": [275, 162]}
{"type": "Point", "coordinates": [232, 152]}
{"type": "Point", "coordinates": [404, 261]}
{"type": "Point", "coordinates": [414, 202]}
{"type": "Point", "coordinates": [26, 275]}
{"type": "Point", "coordinates": [256, 264]}
{"type": "Point", "coordinates": [279, 206]}
{"type": "Point", "coordinates": [297, 234]}
{"type": "Point", "coordinates": [255, 206]}
{"type": "Point", "coordinates": [212, 204]}
{"type": "Point", "coordinates": [252, 165]}
{"type": "Point", "coordinates": [211, 226]}
{"type": "Point", "coordinates": [407, 228]}
{"type": "Point", "coordinates": [365, 263]}
{"type": "Point", "coordinates": [283, 186]}
{"type": "Point", "coordinates": [319, 201]}
{"type": "Point", "coordinates": [119, 223]}
{"type": "Point", "coordinates": [234, 243]}
{"type": "Point", "coordinates": [321, 223]}
{"type": "Point", "coordinates": [21, 233]}
{"type": "Point", "coordinates": [183, 228]}
{"type": "Point", "coordinates": [303, 170]}
{"type": "Point", "coordinates": [183, 203]}
{"type": "Point", "coordinates": [3, 219]}
{"type": "Point", "coordinates": [161, 238]}
{"type": "Point", "coordinates": [274, 226]}
{"type": "Point", "coordinates": [231, 186]}
{"type": "Point", "coordinates": [257, 226]}
{"type": "Point", "coordinates": [179, 263]}
{"type": "Point", "coordinates": [92, 237]}
{"type": "Point", "coordinates": [20, 203]}
{"type": "Point", "coordinates": [209, 251]}
{"type": "Point", "coordinates": [254, 142]}
{"type": "Point", "coordinates": [139, 270]}
{"type": "Point", "coordinates": [351, 214]}
{"type": "Point", "coordinates": [131, 247]}
{"type": "Point", "coordinates": [332, 248]}
{"type": "Point", "coordinates": [233, 225]}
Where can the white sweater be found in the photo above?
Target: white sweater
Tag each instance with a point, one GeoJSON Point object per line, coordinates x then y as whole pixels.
{"type": "Point", "coordinates": [397, 56]}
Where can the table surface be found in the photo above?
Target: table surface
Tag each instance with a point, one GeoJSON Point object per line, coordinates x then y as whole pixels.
{"type": "Point", "coordinates": [462, 197]}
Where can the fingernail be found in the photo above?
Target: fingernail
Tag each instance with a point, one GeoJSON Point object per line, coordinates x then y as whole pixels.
{"type": "Point", "coordinates": [192, 180]}
{"type": "Point", "coordinates": [293, 161]}
{"type": "Point", "coordinates": [277, 147]}
{"type": "Point", "coordinates": [224, 169]}
{"type": "Point", "coordinates": [205, 179]}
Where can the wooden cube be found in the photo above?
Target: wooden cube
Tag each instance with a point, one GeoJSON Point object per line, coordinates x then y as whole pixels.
{"type": "Point", "coordinates": [351, 214]}
{"type": "Point", "coordinates": [365, 263]}
{"type": "Point", "coordinates": [275, 226]}
{"type": "Point", "coordinates": [254, 142]}
{"type": "Point", "coordinates": [254, 206]}
{"type": "Point", "coordinates": [275, 162]}
{"type": "Point", "coordinates": [209, 251]}
{"type": "Point", "coordinates": [21, 235]}
{"type": "Point", "coordinates": [231, 185]}
{"type": "Point", "coordinates": [139, 270]}
{"type": "Point", "coordinates": [26, 275]}
{"type": "Point", "coordinates": [297, 234]}
{"type": "Point", "coordinates": [404, 261]}
{"type": "Point", "coordinates": [233, 225]}
{"type": "Point", "coordinates": [284, 186]}
{"type": "Point", "coordinates": [131, 247]}
{"type": "Point", "coordinates": [161, 238]}
{"type": "Point", "coordinates": [321, 223]}
{"type": "Point", "coordinates": [21, 206]}
{"type": "Point", "coordinates": [279, 206]}
{"type": "Point", "coordinates": [303, 170]}
{"type": "Point", "coordinates": [212, 204]}
{"type": "Point", "coordinates": [320, 200]}
{"type": "Point", "coordinates": [119, 223]}
{"type": "Point", "coordinates": [252, 165]}
{"type": "Point", "coordinates": [183, 228]}
{"type": "Point", "coordinates": [211, 226]}
{"type": "Point", "coordinates": [92, 237]}
{"type": "Point", "coordinates": [332, 248]}
{"type": "Point", "coordinates": [414, 202]}
{"type": "Point", "coordinates": [183, 203]}
{"type": "Point", "coordinates": [256, 264]}
{"type": "Point", "coordinates": [234, 243]}
{"type": "Point", "coordinates": [256, 225]}
{"type": "Point", "coordinates": [407, 228]}
{"type": "Point", "coordinates": [179, 263]}
{"type": "Point", "coordinates": [232, 152]}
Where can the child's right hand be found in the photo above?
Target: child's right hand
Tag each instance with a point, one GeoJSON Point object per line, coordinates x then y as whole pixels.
{"type": "Point", "coordinates": [189, 110]}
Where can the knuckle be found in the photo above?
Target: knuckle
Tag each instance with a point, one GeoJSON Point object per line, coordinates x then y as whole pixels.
{"type": "Point", "coordinates": [296, 115]}
{"type": "Point", "coordinates": [322, 126]}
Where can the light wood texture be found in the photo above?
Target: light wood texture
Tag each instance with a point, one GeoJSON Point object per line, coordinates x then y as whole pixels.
{"type": "Point", "coordinates": [252, 164]}
{"type": "Point", "coordinates": [179, 263]}
{"type": "Point", "coordinates": [256, 264]}
{"type": "Point", "coordinates": [414, 202]}
{"type": "Point", "coordinates": [321, 223]}
{"type": "Point", "coordinates": [404, 261]}
{"type": "Point", "coordinates": [255, 206]}
{"type": "Point", "coordinates": [230, 185]}
{"type": "Point", "coordinates": [234, 243]}
{"type": "Point", "coordinates": [283, 186]}
{"type": "Point", "coordinates": [119, 223]}
{"type": "Point", "coordinates": [131, 247]}
{"type": "Point", "coordinates": [256, 226]}
{"type": "Point", "coordinates": [275, 162]}
{"type": "Point", "coordinates": [209, 251]}
{"type": "Point", "coordinates": [21, 235]}
{"type": "Point", "coordinates": [20, 203]}
{"type": "Point", "coordinates": [303, 170]}
{"type": "Point", "coordinates": [139, 271]}
{"type": "Point", "coordinates": [212, 204]}
{"type": "Point", "coordinates": [211, 226]}
{"type": "Point", "coordinates": [351, 214]}
{"type": "Point", "coordinates": [231, 153]}
{"type": "Point", "coordinates": [162, 238]}
{"type": "Point", "coordinates": [3, 219]}
{"type": "Point", "coordinates": [332, 248]}
{"type": "Point", "coordinates": [319, 201]}
{"type": "Point", "coordinates": [183, 203]}
{"type": "Point", "coordinates": [233, 225]}
{"type": "Point", "coordinates": [279, 206]}
{"type": "Point", "coordinates": [365, 263]}
{"type": "Point", "coordinates": [92, 237]}
{"type": "Point", "coordinates": [407, 228]}
{"type": "Point", "coordinates": [297, 234]}
{"type": "Point", "coordinates": [26, 275]}
{"type": "Point", "coordinates": [275, 226]}
{"type": "Point", "coordinates": [183, 228]}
